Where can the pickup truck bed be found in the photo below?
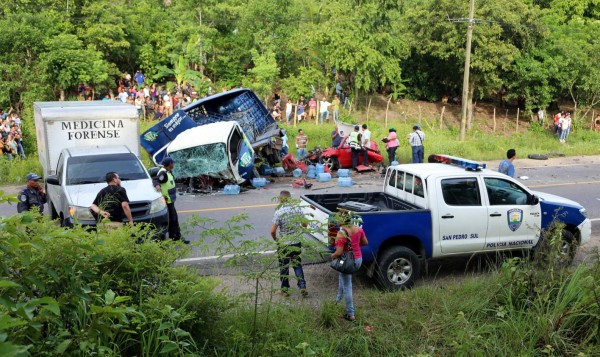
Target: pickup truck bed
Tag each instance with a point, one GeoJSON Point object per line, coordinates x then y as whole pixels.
{"type": "Point", "coordinates": [380, 200]}
{"type": "Point", "coordinates": [411, 224]}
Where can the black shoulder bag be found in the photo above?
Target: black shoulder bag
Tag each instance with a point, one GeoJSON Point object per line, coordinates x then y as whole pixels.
{"type": "Point", "coordinates": [345, 262]}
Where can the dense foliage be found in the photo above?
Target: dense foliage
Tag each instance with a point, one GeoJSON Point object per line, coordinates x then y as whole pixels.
{"type": "Point", "coordinates": [74, 292]}
{"type": "Point", "coordinates": [537, 50]}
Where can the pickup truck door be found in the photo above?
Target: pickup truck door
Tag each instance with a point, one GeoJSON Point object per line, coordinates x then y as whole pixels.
{"type": "Point", "coordinates": [54, 193]}
{"type": "Point", "coordinates": [512, 222]}
{"type": "Point", "coordinates": [461, 215]}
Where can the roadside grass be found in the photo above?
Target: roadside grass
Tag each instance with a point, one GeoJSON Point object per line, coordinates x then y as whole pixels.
{"type": "Point", "coordinates": [469, 317]}
{"type": "Point", "coordinates": [478, 145]}
{"type": "Point", "coordinates": [515, 306]}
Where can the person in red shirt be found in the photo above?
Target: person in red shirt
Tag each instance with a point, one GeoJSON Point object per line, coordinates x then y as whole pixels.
{"type": "Point", "coordinates": [350, 236]}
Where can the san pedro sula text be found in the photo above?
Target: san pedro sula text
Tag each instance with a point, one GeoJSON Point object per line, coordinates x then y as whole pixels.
{"type": "Point", "coordinates": [93, 129]}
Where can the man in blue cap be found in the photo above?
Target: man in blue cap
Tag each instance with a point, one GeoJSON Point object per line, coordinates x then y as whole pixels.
{"type": "Point", "coordinates": [165, 183]}
{"type": "Point", "coordinates": [32, 196]}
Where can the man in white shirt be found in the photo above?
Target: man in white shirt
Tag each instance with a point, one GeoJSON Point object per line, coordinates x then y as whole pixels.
{"type": "Point", "coordinates": [366, 144]}
{"type": "Point", "coordinates": [324, 110]}
{"type": "Point", "coordinates": [168, 104]}
{"type": "Point", "coordinates": [416, 139]}
{"type": "Point", "coordinates": [123, 96]}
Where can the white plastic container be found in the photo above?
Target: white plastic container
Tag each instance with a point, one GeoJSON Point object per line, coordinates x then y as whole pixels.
{"type": "Point", "coordinates": [311, 171]}
{"type": "Point", "coordinates": [297, 173]}
{"type": "Point", "coordinates": [320, 168]}
{"type": "Point", "coordinates": [231, 189]}
{"type": "Point", "coordinates": [324, 177]}
{"type": "Point", "coordinates": [343, 173]}
{"type": "Point", "coordinates": [259, 181]}
{"type": "Point", "coordinates": [345, 182]}
{"type": "Point", "coordinates": [279, 171]}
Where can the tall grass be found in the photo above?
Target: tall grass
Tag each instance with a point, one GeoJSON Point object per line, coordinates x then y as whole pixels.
{"type": "Point", "coordinates": [467, 317]}
{"type": "Point", "coordinates": [479, 145]}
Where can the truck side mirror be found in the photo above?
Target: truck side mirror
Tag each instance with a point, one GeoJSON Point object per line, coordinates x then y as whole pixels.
{"type": "Point", "coordinates": [52, 180]}
{"type": "Point", "coordinates": [533, 200]}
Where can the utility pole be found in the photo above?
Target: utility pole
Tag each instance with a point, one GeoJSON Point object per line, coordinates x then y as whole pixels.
{"type": "Point", "coordinates": [465, 93]}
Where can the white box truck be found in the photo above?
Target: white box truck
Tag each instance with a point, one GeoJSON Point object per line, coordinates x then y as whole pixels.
{"type": "Point", "coordinates": [78, 143]}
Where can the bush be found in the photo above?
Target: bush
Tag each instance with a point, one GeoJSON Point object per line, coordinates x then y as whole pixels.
{"type": "Point", "coordinates": [79, 292]}
{"type": "Point", "coordinates": [561, 305]}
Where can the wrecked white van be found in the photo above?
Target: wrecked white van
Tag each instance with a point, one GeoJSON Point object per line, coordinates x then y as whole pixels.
{"type": "Point", "coordinates": [220, 150]}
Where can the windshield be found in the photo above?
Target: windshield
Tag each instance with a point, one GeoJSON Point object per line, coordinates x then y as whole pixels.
{"type": "Point", "coordinates": [210, 159]}
{"type": "Point", "coordinates": [93, 169]}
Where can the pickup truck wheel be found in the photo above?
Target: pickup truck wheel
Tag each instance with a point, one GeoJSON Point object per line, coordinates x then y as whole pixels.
{"type": "Point", "coordinates": [331, 162]}
{"type": "Point", "coordinates": [398, 268]}
{"type": "Point", "coordinates": [53, 213]}
{"type": "Point", "coordinates": [568, 248]}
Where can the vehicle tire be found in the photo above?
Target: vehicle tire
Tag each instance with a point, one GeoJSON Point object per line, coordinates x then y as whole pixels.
{"type": "Point", "coordinates": [568, 248]}
{"type": "Point", "coordinates": [62, 221]}
{"type": "Point", "coordinates": [397, 268]}
{"type": "Point", "coordinates": [538, 156]}
{"type": "Point", "coordinates": [53, 213]}
{"type": "Point", "coordinates": [331, 162]}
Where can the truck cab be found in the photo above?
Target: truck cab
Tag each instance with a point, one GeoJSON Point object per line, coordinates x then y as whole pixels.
{"type": "Point", "coordinates": [481, 210]}
{"type": "Point", "coordinates": [80, 175]}
{"type": "Point", "coordinates": [220, 149]}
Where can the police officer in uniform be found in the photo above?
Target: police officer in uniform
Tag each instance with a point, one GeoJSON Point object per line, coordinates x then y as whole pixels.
{"type": "Point", "coordinates": [32, 196]}
{"type": "Point", "coordinates": [354, 141]}
{"type": "Point", "coordinates": [165, 183]}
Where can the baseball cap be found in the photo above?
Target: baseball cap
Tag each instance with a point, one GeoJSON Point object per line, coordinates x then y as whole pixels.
{"type": "Point", "coordinates": [167, 161]}
{"type": "Point", "coordinates": [392, 128]}
{"type": "Point", "coordinates": [417, 126]}
{"type": "Point", "coordinates": [32, 176]}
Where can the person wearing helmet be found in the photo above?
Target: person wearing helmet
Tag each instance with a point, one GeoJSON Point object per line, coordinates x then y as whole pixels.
{"type": "Point", "coordinates": [165, 183]}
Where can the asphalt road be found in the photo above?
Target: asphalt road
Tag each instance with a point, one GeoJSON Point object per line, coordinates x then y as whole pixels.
{"type": "Point", "coordinates": [579, 182]}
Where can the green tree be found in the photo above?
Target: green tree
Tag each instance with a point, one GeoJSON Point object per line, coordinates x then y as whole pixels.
{"type": "Point", "coordinates": [503, 29]}
{"type": "Point", "coordinates": [264, 73]}
{"type": "Point", "coordinates": [180, 71]}
{"type": "Point", "coordinates": [362, 42]}
{"type": "Point", "coordinates": [67, 62]}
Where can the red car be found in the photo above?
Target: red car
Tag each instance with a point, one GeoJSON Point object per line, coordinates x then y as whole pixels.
{"type": "Point", "coordinates": [336, 158]}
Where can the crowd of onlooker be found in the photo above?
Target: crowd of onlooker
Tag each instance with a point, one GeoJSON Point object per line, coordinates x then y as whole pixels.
{"type": "Point", "coordinates": [151, 100]}
{"type": "Point", "coordinates": [311, 109]}
{"type": "Point", "coordinates": [11, 136]}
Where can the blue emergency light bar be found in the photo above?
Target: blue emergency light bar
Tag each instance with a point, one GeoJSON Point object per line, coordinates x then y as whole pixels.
{"type": "Point", "coordinates": [458, 161]}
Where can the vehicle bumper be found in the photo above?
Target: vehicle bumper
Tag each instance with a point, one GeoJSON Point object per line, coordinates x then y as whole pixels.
{"type": "Point", "coordinates": [159, 219]}
{"type": "Point", "coordinates": [585, 229]}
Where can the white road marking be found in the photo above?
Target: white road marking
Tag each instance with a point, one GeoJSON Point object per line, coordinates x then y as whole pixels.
{"type": "Point", "coordinates": [213, 257]}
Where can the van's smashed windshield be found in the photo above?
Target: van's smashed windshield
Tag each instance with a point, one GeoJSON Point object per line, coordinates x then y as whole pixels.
{"type": "Point", "coordinates": [210, 160]}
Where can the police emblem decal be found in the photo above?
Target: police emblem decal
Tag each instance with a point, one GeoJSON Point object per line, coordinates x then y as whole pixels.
{"type": "Point", "coordinates": [515, 218]}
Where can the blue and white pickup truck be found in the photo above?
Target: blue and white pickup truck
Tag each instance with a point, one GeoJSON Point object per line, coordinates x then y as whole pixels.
{"type": "Point", "coordinates": [454, 207]}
